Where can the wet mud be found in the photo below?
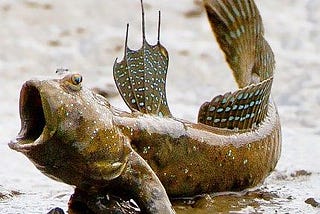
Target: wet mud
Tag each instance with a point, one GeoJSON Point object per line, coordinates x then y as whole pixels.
{"type": "Point", "coordinates": [85, 36]}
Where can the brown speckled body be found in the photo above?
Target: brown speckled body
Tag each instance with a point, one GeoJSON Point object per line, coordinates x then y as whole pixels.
{"type": "Point", "coordinates": [95, 139]}
{"type": "Point", "coordinates": [192, 158]}
{"type": "Point", "coordinates": [80, 139]}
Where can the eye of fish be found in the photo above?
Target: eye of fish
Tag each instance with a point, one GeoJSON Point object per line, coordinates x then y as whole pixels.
{"type": "Point", "coordinates": [76, 79]}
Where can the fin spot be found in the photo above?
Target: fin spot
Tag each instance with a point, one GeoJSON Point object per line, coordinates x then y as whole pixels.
{"type": "Point", "coordinates": [220, 110]}
{"type": "Point", "coordinates": [217, 120]}
{"type": "Point", "coordinates": [212, 108]}
{"type": "Point", "coordinates": [223, 120]}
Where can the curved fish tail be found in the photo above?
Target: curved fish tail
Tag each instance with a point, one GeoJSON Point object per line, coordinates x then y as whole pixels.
{"type": "Point", "coordinates": [238, 28]}
{"type": "Point", "coordinates": [141, 76]}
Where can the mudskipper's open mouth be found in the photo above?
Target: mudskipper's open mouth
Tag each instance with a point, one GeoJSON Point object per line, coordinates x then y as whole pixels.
{"type": "Point", "coordinates": [32, 115]}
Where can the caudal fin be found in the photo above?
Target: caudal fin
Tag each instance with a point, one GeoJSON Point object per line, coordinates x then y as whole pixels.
{"type": "Point", "coordinates": [239, 30]}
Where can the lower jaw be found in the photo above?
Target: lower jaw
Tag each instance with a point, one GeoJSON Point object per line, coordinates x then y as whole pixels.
{"type": "Point", "coordinates": [21, 147]}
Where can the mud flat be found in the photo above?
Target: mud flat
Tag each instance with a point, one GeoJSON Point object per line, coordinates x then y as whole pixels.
{"type": "Point", "coordinates": [37, 37]}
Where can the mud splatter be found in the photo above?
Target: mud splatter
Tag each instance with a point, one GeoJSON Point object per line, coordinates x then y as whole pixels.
{"type": "Point", "coordinates": [6, 194]}
{"type": "Point", "coordinates": [36, 5]}
{"type": "Point", "coordinates": [300, 173]}
{"type": "Point", "coordinates": [312, 202]}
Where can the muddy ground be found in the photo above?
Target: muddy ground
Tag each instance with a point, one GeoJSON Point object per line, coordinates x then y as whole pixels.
{"type": "Point", "coordinates": [39, 36]}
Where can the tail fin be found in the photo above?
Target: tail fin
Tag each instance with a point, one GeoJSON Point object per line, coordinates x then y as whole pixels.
{"type": "Point", "coordinates": [141, 76]}
{"type": "Point", "coordinates": [239, 31]}
{"type": "Point", "coordinates": [238, 28]}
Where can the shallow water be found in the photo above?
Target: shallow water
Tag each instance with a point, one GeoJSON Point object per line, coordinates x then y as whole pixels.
{"type": "Point", "coordinates": [37, 37]}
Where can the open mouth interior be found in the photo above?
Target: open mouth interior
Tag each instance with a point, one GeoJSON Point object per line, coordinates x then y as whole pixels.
{"type": "Point", "coordinates": [31, 114]}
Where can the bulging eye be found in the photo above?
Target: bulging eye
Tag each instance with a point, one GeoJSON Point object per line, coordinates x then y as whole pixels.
{"type": "Point", "coordinates": [76, 79]}
{"type": "Point", "coordinates": [72, 81]}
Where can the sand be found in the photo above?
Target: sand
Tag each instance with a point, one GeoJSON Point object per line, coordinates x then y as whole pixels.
{"type": "Point", "coordinates": [37, 37]}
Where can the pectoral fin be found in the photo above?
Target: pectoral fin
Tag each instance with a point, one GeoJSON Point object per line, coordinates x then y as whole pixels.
{"type": "Point", "coordinates": [145, 186]}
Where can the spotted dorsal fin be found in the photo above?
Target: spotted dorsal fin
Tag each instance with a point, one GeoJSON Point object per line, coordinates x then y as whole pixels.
{"type": "Point", "coordinates": [242, 109]}
{"type": "Point", "coordinates": [141, 76]}
{"type": "Point", "coordinates": [239, 30]}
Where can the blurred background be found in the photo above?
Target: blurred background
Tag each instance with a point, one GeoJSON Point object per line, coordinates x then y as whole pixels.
{"type": "Point", "coordinates": [39, 36]}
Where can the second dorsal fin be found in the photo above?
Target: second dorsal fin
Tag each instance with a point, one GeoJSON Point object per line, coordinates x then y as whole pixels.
{"type": "Point", "coordinates": [141, 76]}
{"type": "Point", "coordinates": [241, 110]}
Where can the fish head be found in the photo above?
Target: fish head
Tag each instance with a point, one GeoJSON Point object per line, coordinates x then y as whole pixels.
{"type": "Point", "coordinates": [68, 133]}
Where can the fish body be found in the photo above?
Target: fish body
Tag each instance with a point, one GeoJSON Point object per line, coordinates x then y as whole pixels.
{"type": "Point", "coordinates": [74, 135]}
{"type": "Point", "coordinates": [192, 159]}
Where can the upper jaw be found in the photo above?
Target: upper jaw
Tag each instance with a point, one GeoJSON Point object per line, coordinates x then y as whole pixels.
{"type": "Point", "coordinates": [35, 117]}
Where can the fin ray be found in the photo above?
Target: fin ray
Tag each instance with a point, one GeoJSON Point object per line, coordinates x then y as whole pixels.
{"type": "Point", "coordinates": [242, 109]}
{"type": "Point", "coordinates": [238, 27]}
{"type": "Point", "coordinates": [141, 76]}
